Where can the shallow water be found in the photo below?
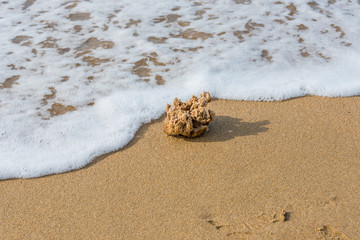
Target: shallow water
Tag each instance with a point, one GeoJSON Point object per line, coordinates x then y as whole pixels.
{"type": "Point", "coordinates": [78, 78]}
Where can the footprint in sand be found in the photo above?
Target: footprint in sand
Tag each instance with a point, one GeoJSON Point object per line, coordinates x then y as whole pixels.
{"type": "Point", "coordinates": [332, 202]}
{"type": "Point", "coordinates": [329, 233]}
{"type": "Point", "coordinates": [231, 229]}
{"type": "Point", "coordinates": [245, 229]}
{"type": "Point", "coordinates": [276, 216]}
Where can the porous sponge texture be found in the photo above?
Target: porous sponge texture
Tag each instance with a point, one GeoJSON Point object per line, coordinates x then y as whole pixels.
{"type": "Point", "coordinates": [189, 119]}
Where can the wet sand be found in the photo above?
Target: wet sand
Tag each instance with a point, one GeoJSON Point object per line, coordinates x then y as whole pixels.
{"type": "Point", "coordinates": [264, 170]}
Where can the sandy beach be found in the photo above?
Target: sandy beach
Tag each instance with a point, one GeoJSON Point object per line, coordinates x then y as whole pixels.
{"type": "Point", "coordinates": [264, 170]}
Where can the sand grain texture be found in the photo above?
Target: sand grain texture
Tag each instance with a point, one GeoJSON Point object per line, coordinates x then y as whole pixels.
{"type": "Point", "coordinates": [264, 170]}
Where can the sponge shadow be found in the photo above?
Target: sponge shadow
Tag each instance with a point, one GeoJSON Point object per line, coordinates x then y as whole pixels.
{"type": "Point", "coordinates": [225, 128]}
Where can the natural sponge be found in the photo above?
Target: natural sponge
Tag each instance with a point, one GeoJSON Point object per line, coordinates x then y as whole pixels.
{"type": "Point", "coordinates": [189, 119]}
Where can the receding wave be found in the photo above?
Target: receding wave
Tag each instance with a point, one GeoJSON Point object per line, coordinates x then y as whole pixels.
{"type": "Point", "coordinates": [78, 78]}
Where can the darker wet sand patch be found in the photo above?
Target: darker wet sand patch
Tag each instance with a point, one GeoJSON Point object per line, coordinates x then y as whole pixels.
{"type": "Point", "coordinates": [64, 78]}
{"type": "Point", "coordinates": [59, 109]}
{"type": "Point", "coordinates": [47, 97]}
{"type": "Point", "coordinates": [250, 26]}
{"type": "Point", "coordinates": [19, 39]}
{"type": "Point", "coordinates": [93, 43]}
{"type": "Point", "coordinates": [184, 23]}
{"type": "Point", "coordinates": [292, 9]}
{"type": "Point", "coordinates": [168, 18]}
{"type": "Point", "coordinates": [339, 30]}
{"type": "Point", "coordinates": [61, 51]}
{"type": "Point", "coordinates": [301, 27]}
{"type": "Point", "coordinates": [28, 4]}
{"type": "Point", "coordinates": [159, 80]}
{"type": "Point", "coordinates": [79, 16]}
{"type": "Point", "coordinates": [142, 68]}
{"type": "Point", "coordinates": [93, 61]}
{"type": "Point", "coordinates": [266, 56]}
{"type": "Point", "coordinates": [157, 40]}
{"type": "Point", "coordinates": [77, 28]}
{"type": "Point", "coordinates": [9, 82]}
{"type": "Point", "coordinates": [245, 2]}
{"type": "Point", "coordinates": [73, 5]}
{"type": "Point", "coordinates": [192, 34]}
{"type": "Point", "coordinates": [50, 42]}
{"type": "Point", "coordinates": [132, 22]}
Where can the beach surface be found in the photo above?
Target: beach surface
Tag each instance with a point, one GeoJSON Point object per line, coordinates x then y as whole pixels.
{"type": "Point", "coordinates": [264, 170]}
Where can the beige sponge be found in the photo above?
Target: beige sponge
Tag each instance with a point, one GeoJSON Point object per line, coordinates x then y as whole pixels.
{"type": "Point", "coordinates": [189, 119]}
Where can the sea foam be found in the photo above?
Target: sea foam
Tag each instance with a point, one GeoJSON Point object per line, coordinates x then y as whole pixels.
{"type": "Point", "coordinates": [78, 78]}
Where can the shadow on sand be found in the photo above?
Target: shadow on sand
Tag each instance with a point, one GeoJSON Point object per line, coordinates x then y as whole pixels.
{"type": "Point", "coordinates": [225, 128]}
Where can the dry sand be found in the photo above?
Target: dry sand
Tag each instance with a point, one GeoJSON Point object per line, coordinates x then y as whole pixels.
{"type": "Point", "coordinates": [264, 170]}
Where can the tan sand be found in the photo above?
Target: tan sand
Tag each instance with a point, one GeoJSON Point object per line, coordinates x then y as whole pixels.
{"type": "Point", "coordinates": [264, 170]}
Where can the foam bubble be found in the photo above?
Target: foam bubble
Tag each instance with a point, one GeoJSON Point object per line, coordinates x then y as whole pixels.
{"type": "Point", "coordinates": [78, 78]}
